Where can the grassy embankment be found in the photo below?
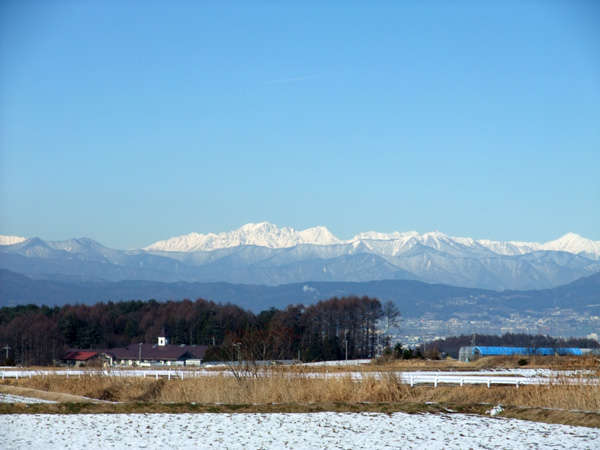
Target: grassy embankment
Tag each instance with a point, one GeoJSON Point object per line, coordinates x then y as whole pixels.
{"type": "Point", "coordinates": [278, 391]}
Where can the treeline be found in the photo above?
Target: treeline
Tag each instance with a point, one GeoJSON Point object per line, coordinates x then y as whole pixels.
{"type": "Point", "coordinates": [328, 330]}
{"type": "Point", "coordinates": [451, 345]}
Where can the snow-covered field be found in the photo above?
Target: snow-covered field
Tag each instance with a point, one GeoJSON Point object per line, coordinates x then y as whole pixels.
{"type": "Point", "coordinates": [294, 431]}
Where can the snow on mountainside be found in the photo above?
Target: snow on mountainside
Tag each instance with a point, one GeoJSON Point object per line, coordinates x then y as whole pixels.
{"type": "Point", "coordinates": [266, 254]}
{"type": "Point", "coordinates": [376, 236]}
{"type": "Point", "coordinates": [573, 243]}
{"type": "Point", "coordinates": [261, 234]}
{"type": "Point", "coordinates": [268, 235]}
{"type": "Point", "coordinates": [11, 240]}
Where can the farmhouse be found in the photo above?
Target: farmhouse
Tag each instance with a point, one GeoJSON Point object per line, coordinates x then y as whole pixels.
{"type": "Point", "coordinates": [141, 354]}
{"type": "Point", "coordinates": [75, 357]}
{"type": "Point", "coordinates": [155, 354]}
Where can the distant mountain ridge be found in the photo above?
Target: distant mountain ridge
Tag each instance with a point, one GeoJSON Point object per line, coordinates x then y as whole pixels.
{"type": "Point", "coordinates": [266, 254]}
{"type": "Point", "coordinates": [265, 234]}
{"type": "Point", "coordinates": [414, 298]}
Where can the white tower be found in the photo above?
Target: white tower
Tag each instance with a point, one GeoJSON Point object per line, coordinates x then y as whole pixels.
{"type": "Point", "coordinates": [162, 339]}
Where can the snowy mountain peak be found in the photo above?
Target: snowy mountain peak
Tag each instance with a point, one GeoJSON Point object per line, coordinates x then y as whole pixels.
{"type": "Point", "coordinates": [435, 235]}
{"type": "Point", "coordinates": [376, 236]}
{"type": "Point", "coordinates": [258, 227]}
{"type": "Point", "coordinates": [573, 243]}
{"type": "Point", "coordinates": [263, 234]}
{"type": "Point", "coordinates": [11, 240]}
{"type": "Point", "coordinates": [568, 238]}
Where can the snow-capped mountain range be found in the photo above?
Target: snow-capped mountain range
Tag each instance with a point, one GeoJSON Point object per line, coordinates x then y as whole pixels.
{"type": "Point", "coordinates": [263, 253]}
{"type": "Point", "coordinates": [265, 234]}
{"type": "Point", "coordinates": [262, 234]}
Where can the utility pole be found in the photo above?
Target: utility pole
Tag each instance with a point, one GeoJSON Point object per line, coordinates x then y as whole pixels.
{"type": "Point", "coordinates": [346, 349]}
{"type": "Point", "coordinates": [237, 346]}
{"type": "Point", "coordinates": [140, 352]}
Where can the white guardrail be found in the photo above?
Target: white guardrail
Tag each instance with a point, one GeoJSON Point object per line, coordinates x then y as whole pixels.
{"type": "Point", "coordinates": [411, 378]}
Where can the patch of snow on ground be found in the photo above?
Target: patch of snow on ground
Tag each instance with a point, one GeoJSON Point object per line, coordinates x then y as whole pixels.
{"type": "Point", "coordinates": [350, 362]}
{"type": "Point", "coordinates": [10, 398]}
{"type": "Point", "coordinates": [295, 431]}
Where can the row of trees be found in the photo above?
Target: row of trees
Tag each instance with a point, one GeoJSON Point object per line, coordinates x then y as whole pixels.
{"type": "Point", "coordinates": [338, 328]}
{"type": "Point", "coordinates": [331, 329]}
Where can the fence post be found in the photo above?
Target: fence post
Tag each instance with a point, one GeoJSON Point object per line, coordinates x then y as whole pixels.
{"type": "Point", "coordinates": [489, 382]}
{"type": "Point", "coordinates": [462, 381]}
{"type": "Point", "coordinates": [435, 381]}
{"type": "Point", "coordinates": [412, 381]}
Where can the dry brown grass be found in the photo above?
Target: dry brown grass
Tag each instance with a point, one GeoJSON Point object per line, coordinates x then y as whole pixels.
{"type": "Point", "coordinates": [97, 387]}
{"type": "Point", "coordinates": [491, 362]}
{"type": "Point", "coordinates": [500, 362]}
{"type": "Point", "coordinates": [279, 392]}
{"type": "Point", "coordinates": [279, 387]}
{"type": "Point", "coordinates": [589, 362]}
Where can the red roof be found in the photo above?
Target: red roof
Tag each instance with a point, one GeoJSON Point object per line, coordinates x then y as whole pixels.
{"type": "Point", "coordinates": [79, 355]}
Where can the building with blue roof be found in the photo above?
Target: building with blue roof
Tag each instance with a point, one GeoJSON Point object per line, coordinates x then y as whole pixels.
{"type": "Point", "coordinates": [472, 353]}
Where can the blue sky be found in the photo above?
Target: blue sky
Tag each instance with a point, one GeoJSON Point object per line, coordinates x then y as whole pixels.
{"type": "Point", "coordinates": [134, 122]}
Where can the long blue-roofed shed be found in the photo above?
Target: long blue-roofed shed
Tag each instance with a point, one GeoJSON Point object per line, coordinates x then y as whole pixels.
{"type": "Point", "coordinates": [478, 351]}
